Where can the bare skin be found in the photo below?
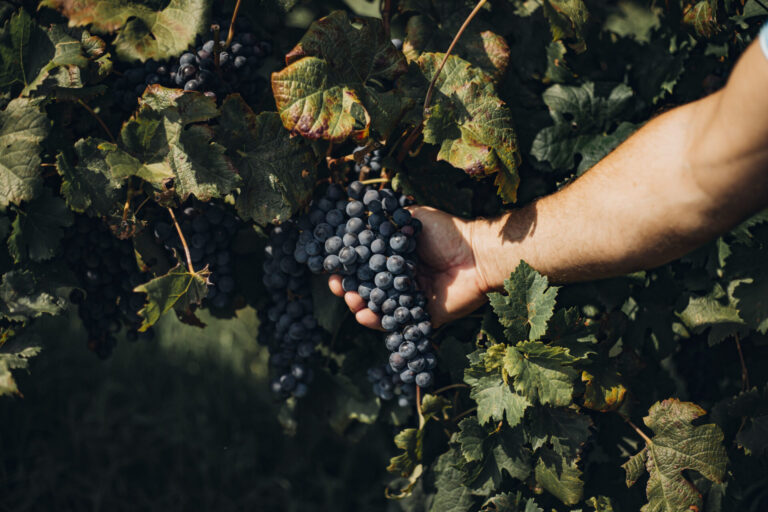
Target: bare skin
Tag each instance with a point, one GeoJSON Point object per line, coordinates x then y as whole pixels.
{"type": "Point", "coordinates": [684, 178]}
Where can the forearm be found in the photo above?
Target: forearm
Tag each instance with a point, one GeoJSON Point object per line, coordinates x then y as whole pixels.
{"type": "Point", "coordinates": [684, 178]}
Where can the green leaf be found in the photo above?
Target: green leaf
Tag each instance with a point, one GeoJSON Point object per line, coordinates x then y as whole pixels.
{"type": "Point", "coordinates": [329, 309]}
{"type": "Point", "coordinates": [410, 441]}
{"type": "Point", "coordinates": [560, 476]}
{"type": "Point", "coordinates": [584, 122]}
{"type": "Point", "coordinates": [23, 127]}
{"type": "Point", "coordinates": [541, 372]}
{"type": "Point", "coordinates": [38, 228]}
{"type": "Point", "coordinates": [141, 32]}
{"type": "Point", "coordinates": [278, 171]}
{"type": "Point", "coordinates": [567, 20]}
{"type": "Point", "coordinates": [563, 430]}
{"type": "Point", "coordinates": [706, 311]}
{"type": "Point", "coordinates": [178, 289]}
{"type": "Point", "coordinates": [752, 406]}
{"type": "Point", "coordinates": [494, 398]}
{"type": "Point", "coordinates": [491, 453]}
{"type": "Point", "coordinates": [452, 495]}
{"type": "Point", "coordinates": [23, 297]}
{"type": "Point", "coordinates": [752, 300]}
{"type": "Point", "coordinates": [604, 390]}
{"type": "Point", "coordinates": [327, 91]}
{"type": "Point", "coordinates": [15, 352]}
{"type": "Point", "coordinates": [25, 51]}
{"type": "Point", "coordinates": [200, 166]}
{"type": "Point", "coordinates": [505, 502]}
{"type": "Point", "coordinates": [88, 186]}
{"type": "Point", "coordinates": [435, 407]}
{"type": "Point", "coordinates": [478, 45]}
{"type": "Point", "coordinates": [472, 126]}
{"type": "Point", "coordinates": [527, 306]}
{"type": "Point", "coordinates": [677, 446]}
{"type": "Point", "coordinates": [436, 185]}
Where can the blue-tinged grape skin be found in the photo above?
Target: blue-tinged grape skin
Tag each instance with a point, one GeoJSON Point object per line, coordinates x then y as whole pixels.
{"type": "Point", "coordinates": [388, 323]}
{"type": "Point", "coordinates": [424, 379]}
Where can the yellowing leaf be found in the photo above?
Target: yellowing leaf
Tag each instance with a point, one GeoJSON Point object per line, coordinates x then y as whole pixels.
{"type": "Point", "coordinates": [677, 446]}
{"type": "Point", "coordinates": [178, 289]}
{"type": "Point", "coordinates": [470, 123]}
{"type": "Point", "coordinates": [326, 90]}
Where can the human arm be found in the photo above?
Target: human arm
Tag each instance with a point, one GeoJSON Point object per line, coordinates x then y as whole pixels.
{"type": "Point", "coordinates": [682, 179]}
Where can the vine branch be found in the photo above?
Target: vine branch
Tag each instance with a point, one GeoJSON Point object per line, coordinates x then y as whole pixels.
{"type": "Point", "coordinates": [744, 372]}
{"type": "Point", "coordinates": [98, 119]}
{"type": "Point", "coordinates": [451, 386]}
{"type": "Point", "coordinates": [375, 180]}
{"type": "Point", "coordinates": [430, 91]}
{"type": "Point", "coordinates": [637, 429]}
{"type": "Point", "coordinates": [231, 32]}
{"type": "Point", "coordinates": [183, 241]}
{"type": "Point", "coordinates": [418, 408]}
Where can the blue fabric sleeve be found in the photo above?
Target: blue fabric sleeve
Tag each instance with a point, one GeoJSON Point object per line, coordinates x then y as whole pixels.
{"type": "Point", "coordinates": [764, 39]}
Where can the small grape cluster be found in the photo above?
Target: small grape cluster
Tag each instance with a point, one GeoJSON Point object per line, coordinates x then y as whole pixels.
{"type": "Point", "coordinates": [209, 230]}
{"type": "Point", "coordinates": [368, 237]}
{"type": "Point", "coordinates": [387, 384]}
{"type": "Point", "coordinates": [196, 70]}
{"type": "Point", "coordinates": [371, 160]}
{"type": "Point", "coordinates": [107, 270]}
{"type": "Point", "coordinates": [289, 327]}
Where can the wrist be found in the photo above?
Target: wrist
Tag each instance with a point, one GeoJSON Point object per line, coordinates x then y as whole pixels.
{"type": "Point", "coordinates": [498, 246]}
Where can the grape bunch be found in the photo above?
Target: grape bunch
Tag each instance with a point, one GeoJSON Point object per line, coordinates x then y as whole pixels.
{"type": "Point", "coordinates": [368, 237]}
{"type": "Point", "coordinates": [387, 384]}
{"type": "Point", "coordinates": [371, 160]}
{"type": "Point", "coordinates": [107, 271]}
{"type": "Point", "coordinates": [289, 327]}
{"type": "Point", "coordinates": [209, 230]}
{"type": "Point", "coordinates": [196, 70]}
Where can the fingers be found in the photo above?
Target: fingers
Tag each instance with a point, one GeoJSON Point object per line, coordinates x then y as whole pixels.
{"type": "Point", "coordinates": [355, 303]}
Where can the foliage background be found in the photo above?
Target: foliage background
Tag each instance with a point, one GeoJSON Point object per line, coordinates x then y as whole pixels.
{"type": "Point", "coordinates": [187, 422]}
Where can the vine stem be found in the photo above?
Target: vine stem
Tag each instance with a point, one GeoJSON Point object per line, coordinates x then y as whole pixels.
{"type": "Point", "coordinates": [431, 90]}
{"type": "Point", "coordinates": [451, 386]}
{"type": "Point", "coordinates": [761, 4]}
{"type": "Point", "coordinates": [636, 429]}
{"type": "Point", "coordinates": [744, 372]}
{"type": "Point", "coordinates": [98, 119]}
{"type": "Point", "coordinates": [418, 408]}
{"type": "Point", "coordinates": [231, 32]}
{"type": "Point", "coordinates": [375, 180]}
{"type": "Point", "coordinates": [216, 46]}
{"type": "Point", "coordinates": [183, 241]}
{"type": "Point", "coordinates": [385, 16]}
{"type": "Point", "coordinates": [461, 415]}
{"type": "Point", "coordinates": [127, 205]}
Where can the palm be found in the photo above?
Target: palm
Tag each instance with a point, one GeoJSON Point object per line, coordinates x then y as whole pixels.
{"type": "Point", "coordinates": [447, 272]}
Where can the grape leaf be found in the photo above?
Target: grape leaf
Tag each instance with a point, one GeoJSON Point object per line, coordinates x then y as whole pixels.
{"type": "Point", "coordinates": [677, 446]}
{"type": "Point", "coordinates": [25, 50]}
{"type": "Point", "coordinates": [472, 126]}
{"type": "Point", "coordinates": [567, 20]}
{"type": "Point", "coordinates": [527, 306]}
{"type": "Point", "coordinates": [563, 430]}
{"type": "Point", "coordinates": [15, 352]}
{"type": "Point", "coordinates": [505, 502]}
{"type": "Point", "coordinates": [327, 89]}
{"type": "Point", "coordinates": [560, 476]}
{"type": "Point", "coordinates": [141, 32]}
{"type": "Point", "coordinates": [23, 296]}
{"type": "Point", "coordinates": [540, 372]}
{"type": "Point", "coordinates": [160, 142]}
{"type": "Point", "coordinates": [23, 127]}
{"type": "Point", "coordinates": [452, 495]}
{"type": "Point", "coordinates": [752, 405]}
{"type": "Point", "coordinates": [178, 289]}
{"type": "Point", "coordinates": [603, 391]}
{"type": "Point", "coordinates": [38, 228]}
{"type": "Point", "coordinates": [494, 398]}
{"type": "Point", "coordinates": [752, 300]}
{"type": "Point", "coordinates": [488, 454]}
{"type": "Point", "coordinates": [329, 309]}
{"type": "Point", "coordinates": [88, 186]}
{"type": "Point", "coordinates": [410, 441]}
{"type": "Point", "coordinates": [583, 122]}
{"type": "Point", "coordinates": [433, 31]}
{"type": "Point", "coordinates": [702, 18]}
{"type": "Point", "coordinates": [278, 171]}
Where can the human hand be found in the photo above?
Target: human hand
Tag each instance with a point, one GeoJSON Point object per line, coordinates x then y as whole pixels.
{"type": "Point", "coordinates": [447, 272]}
